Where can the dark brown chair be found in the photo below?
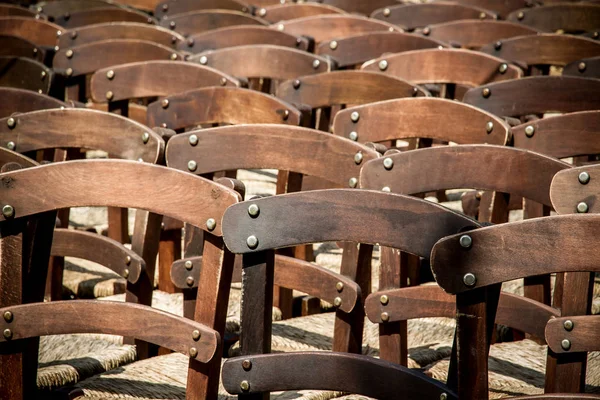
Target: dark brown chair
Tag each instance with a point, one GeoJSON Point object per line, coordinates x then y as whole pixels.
{"type": "Point", "coordinates": [587, 67]}
{"type": "Point", "coordinates": [37, 31]}
{"type": "Point", "coordinates": [357, 6]}
{"type": "Point", "coordinates": [9, 10]}
{"type": "Point", "coordinates": [287, 11]}
{"type": "Point", "coordinates": [18, 47]}
{"type": "Point", "coordinates": [567, 17]}
{"type": "Point", "coordinates": [168, 8]}
{"type": "Point", "coordinates": [193, 22]}
{"type": "Point", "coordinates": [473, 34]}
{"type": "Point", "coordinates": [111, 13]}
{"type": "Point", "coordinates": [20, 100]}
{"type": "Point", "coordinates": [502, 8]}
{"type": "Point", "coordinates": [26, 73]}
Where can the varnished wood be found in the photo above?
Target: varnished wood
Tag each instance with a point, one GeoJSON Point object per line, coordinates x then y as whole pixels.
{"type": "Point", "coordinates": [588, 67]}
{"type": "Point", "coordinates": [138, 79]}
{"type": "Point", "coordinates": [583, 336]}
{"type": "Point", "coordinates": [356, 7]}
{"type": "Point", "coordinates": [458, 66]}
{"type": "Point", "coordinates": [37, 31]}
{"type": "Point", "coordinates": [287, 11]}
{"type": "Point", "coordinates": [423, 117]}
{"type": "Point", "coordinates": [503, 8]}
{"type": "Point", "coordinates": [8, 10]}
{"type": "Point", "coordinates": [537, 95]}
{"type": "Point", "coordinates": [205, 20]}
{"type": "Point", "coordinates": [567, 17]}
{"type": "Point", "coordinates": [102, 15]}
{"type": "Point", "coordinates": [174, 7]}
{"type": "Point", "coordinates": [9, 156]}
{"type": "Point", "coordinates": [567, 191]}
{"type": "Point", "coordinates": [18, 47]}
{"type": "Point", "coordinates": [144, 5]}
{"type": "Point", "coordinates": [56, 9]}
{"type": "Point", "coordinates": [21, 100]}
{"type": "Point", "coordinates": [25, 73]}
{"type": "Point", "coordinates": [473, 34]}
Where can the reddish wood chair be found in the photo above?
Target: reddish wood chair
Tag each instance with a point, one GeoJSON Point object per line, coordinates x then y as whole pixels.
{"type": "Point", "coordinates": [570, 18]}
{"type": "Point", "coordinates": [473, 34]}
{"type": "Point", "coordinates": [356, 6]}
{"type": "Point", "coordinates": [165, 9]}
{"type": "Point", "coordinates": [503, 8]}
{"type": "Point", "coordinates": [9, 10]}
{"type": "Point", "coordinates": [111, 13]}
{"type": "Point", "coordinates": [287, 11]}
{"type": "Point", "coordinates": [587, 67]}
{"type": "Point", "coordinates": [205, 20]}
{"type": "Point", "coordinates": [21, 100]}
{"type": "Point", "coordinates": [39, 32]}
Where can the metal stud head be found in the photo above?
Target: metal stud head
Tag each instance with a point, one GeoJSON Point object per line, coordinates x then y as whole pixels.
{"type": "Point", "coordinates": [385, 317]}
{"type": "Point", "coordinates": [193, 352]}
{"type": "Point", "coordinates": [581, 67]}
{"type": "Point", "coordinates": [172, 24]}
{"type": "Point", "coordinates": [426, 31]}
{"type": "Point", "coordinates": [211, 224]}
{"type": "Point", "coordinates": [203, 60]}
{"type": "Point", "coordinates": [565, 344]}
{"type": "Point", "coordinates": [253, 210]}
{"type": "Point", "coordinates": [498, 45]}
{"type": "Point", "coordinates": [443, 396]}
{"type": "Point", "coordinates": [110, 74]}
{"type": "Point", "coordinates": [223, 81]}
{"type": "Point", "coordinates": [584, 178]}
{"type": "Point", "coordinates": [164, 103]}
{"type": "Point", "coordinates": [189, 281]}
{"type": "Point", "coordinates": [252, 242]}
{"type": "Point", "coordinates": [69, 71]}
{"type": "Point", "coordinates": [174, 56]}
{"type": "Point", "coordinates": [8, 334]}
{"type": "Point", "coordinates": [11, 122]}
{"type": "Point", "coordinates": [296, 84]}
{"type": "Point", "coordinates": [386, 12]}
{"type": "Point", "coordinates": [355, 116]}
{"type": "Point", "coordinates": [192, 165]}
{"type": "Point", "coordinates": [383, 64]}
{"type": "Point", "coordinates": [482, 15]}
{"type": "Point", "coordinates": [316, 64]}
{"type": "Point", "coordinates": [196, 335]}
{"type": "Point", "coordinates": [388, 163]}
{"type": "Point", "coordinates": [8, 316]}
{"type": "Point", "coordinates": [469, 279]}
{"type": "Point", "coordinates": [43, 75]}
{"type": "Point", "coordinates": [8, 211]}
{"type": "Point", "coordinates": [247, 365]}
{"type": "Point", "coordinates": [262, 12]}
{"type": "Point", "coordinates": [128, 260]}
{"type": "Point", "coordinates": [352, 182]}
{"type": "Point", "coordinates": [109, 95]}
{"type": "Point", "coordinates": [188, 265]}
{"type": "Point", "coordinates": [353, 136]}
{"type": "Point", "coordinates": [384, 299]}
{"type": "Point", "coordinates": [333, 45]}
{"type": "Point", "coordinates": [358, 157]}
{"type": "Point", "coordinates": [520, 15]}
{"type": "Point", "coordinates": [145, 137]}
{"type": "Point", "coordinates": [486, 92]}
{"type": "Point", "coordinates": [529, 130]}
{"type": "Point", "coordinates": [125, 273]}
{"type": "Point", "coordinates": [489, 127]}
{"type": "Point", "coordinates": [11, 145]}
{"type": "Point", "coordinates": [339, 286]}
{"type": "Point", "coordinates": [193, 140]}
{"type": "Point", "coordinates": [386, 189]}
{"type": "Point", "coordinates": [69, 53]}
{"type": "Point", "coordinates": [245, 386]}
{"type": "Point", "coordinates": [337, 301]}
{"type": "Point", "coordinates": [466, 241]}
{"type": "Point", "coordinates": [165, 7]}
{"type": "Point", "coordinates": [582, 207]}
{"type": "Point", "coordinates": [568, 325]}
{"type": "Point", "coordinates": [280, 27]}
{"type": "Point", "coordinates": [286, 115]}
{"type": "Point", "coordinates": [503, 68]}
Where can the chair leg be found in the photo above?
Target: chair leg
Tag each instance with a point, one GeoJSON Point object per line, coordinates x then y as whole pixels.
{"type": "Point", "coordinates": [169, 251]}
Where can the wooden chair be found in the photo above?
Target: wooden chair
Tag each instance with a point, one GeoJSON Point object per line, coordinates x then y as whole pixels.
{"type": "Point", "coordinates": [473, 34]}
{"type": "Point", "coordinates": [96, 180]}
{"type": "Point", "coordinates": [587, 67]}
{"type": "Point", "coordinates": [26, 73]}
{"type": "Point", "coordinates": [168, 8]}
{"type": "Point", "coordinates": [205, 20]}
{"type": "Point", "coordinates": [502, 8]}
{"type": "Point", "coordinates": [57, 9]}
{"type": "Point", "coordinates": [37, 31]}
{"type": "Point", "coordinates": [354, 50]}
{"type": "Point", "coordinates": [284, 12]}
{"type": "Point", "coordinates": [22, 100]}
{"type": "Point", "coordinates": [570, 18]}
{"type": "Point", "coordinates": [412, 16]}
{"type": "Point", "coordinates": [8, 10]}
{"type": "Point", "coordinates": [18, 47]}
{"type": "Point", "coordinates": [356, 6]}
{"type": "Point", "coordinates": [112, 13]}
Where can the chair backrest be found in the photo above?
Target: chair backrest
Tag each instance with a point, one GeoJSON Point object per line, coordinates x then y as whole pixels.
{"type": "Point", "coordinates": [286, 11]}
{"type": "Point", "coordinates": [18, 47]}
{"type": "Point", "coordinates": [9, 156]}
{"type": "Point", "coordinates": [164, 9]}
{"type": "Point", "coordinates": [587, 67]}
{"type": "Point", "coordinates": [576, 191]}
{"type": "Point", "coordinates": [536, 95]}
{"type": "Point", "coordinates": [473, 34]}
{"type": "Point", "coordinates": [201, 21]}
{"type": "Point", "coordinates": [37, 31]}
{"type": "Point", "coordinates": [144, 5]}
{"type": "Point", "coordinates": [357, 49]}
{"type": "Point", "coordinates": [26, 73]}
{"type": "Point", "coordinates": [9, 10]}
{"type": "Point", "coordinates": [575, 17]}
{"type": "Point", "coordinates": [457, 66]}
{"type": "Point", "coordinates": [503, 8]}
{"type": "Point", "coordinates": [22, 100]}
{"type": "Point", "coordinates": [56, 9]}
{"type": "Point", "coordinates": [356, 7]}
{"type": "Point", "coordinates": [110, 13]}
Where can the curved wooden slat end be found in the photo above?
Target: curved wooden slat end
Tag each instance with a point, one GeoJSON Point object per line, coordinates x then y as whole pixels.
{"type": "Point", "coordinates": [329, 371]}
{"type": "Point", "coordinates": [573, 334]}
{"type": "Point", "coordinates": [576, 190]}
{"type": "Point", "coordinates": [9, 156]}
{"type": "Point", "coordinates": [112, 318]}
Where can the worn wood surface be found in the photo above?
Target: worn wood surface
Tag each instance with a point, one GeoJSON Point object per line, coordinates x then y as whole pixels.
{"type": "Point", "coordinates": [567, 191]}
{"type": "Point", "coordinates": [25, 73]}
{"type": "Point", "coordinates": [120, 30]}
{"type": "Point", "coordinates": [56, 9]}
{"type": "Point", "coordinates": [473, 34]}
{"type": "Point", "coordinates": [102, 15]}
{"type": "Point", "coordinates": [18, 47]}
{"type": "Point", "coordinates": [583, 336]}
{"type": "Point", "coordinates": [174, 7]}
{"type": "Point", "coordinates": [21, 100]}
{"type": "Point", "coordinates": [587, 67]}
{"type": "Point", "coordinates": [9, 156]}
{"type": "Point", "coordinates": [554, 17]}
{"type": "Point", "coordinates": [37, 31]}
{"type": "Point", "coordinates": [192, 22]}
{"type": "Point", "coordinates": [9, 10]}
{"type": "Point", "coordinates": [287, 11]}
{"type": "Point", "coordinates": [356, 7]}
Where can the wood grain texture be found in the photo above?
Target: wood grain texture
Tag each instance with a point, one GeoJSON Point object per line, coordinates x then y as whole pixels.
{"type": "Point", "coordinates": [192, 22]}
{"type": "Point", "coordinates": [554, 17]}
{"type": "Point", "coordinates": [589, 69]}
{"type": "Point", "coordinates": [102, 15]}
{"type": "Point", "coordinates": [458, 66]}
{"type": "Point", "coordinates": [249, 61]}
{"type": "Point", "coordinates": [226, 105]}
{"type": "Point", "coordinates": [120, 30]}
{"type": "Point", "coordinates": [346, 87]}
{"type": "Point", "coordinates": [414, 16]}
{"type": "Point", "coordinates": [9, 10]}
{"type": "Point", "coordinates": [544, 49]}
{"type": "Point", "coordinates": [583, 336]}
{"type": "Point", "coordinates": [110, 183]}
{"type": "Point", "coordinates": [99, 249]}
{"type": "Point", "coordinates": [113, 318]}
{"type": "Point", "coordinates": [258, 146]}
{"type": "Point", "coordinates": [9, 156]}
{"type": "Point", "coordinates": [507, 170]}
{"type": "Point", "coordinates": [37, 31]}
{"type": "Point", "coordinates": [25, 73]}
{"type": "Point", "coordinates": [562, 136]}
{"type": "Point", "coordinates": [356, 7]}
{"type": "Point", "coordinates": [357, 49]}
{"type": "Point", "coordinates": [340, 215]}
{"type": "Point", "coordinates": [287, 11]}
{"type": "Point", "coordinates": [473, 34]}
{"type": "Point", "coordinates": [330, 371]}
{"type": "Point", "coordinates": [18, 47]}
{"type": "Point", "coordinates": [567, 191]}
{"type": "Point", "coordinates": [174, 7]}
{"type": "Point", "coordinates": [22, 100]}
{"type": "Point", "coordinates": [503, 8]}
{"type": "Point", "coordinates": [55, 9]}
{"type": "Point", "coordinates": [554, 244]}
{"type": "Point", "coordinates": [422, 117]}
{"type": "Point", "coordinates": [240, 36]}
{"type": "Point", "coordinates": [83, 129]}
{"type": "Point", "coordinates": [334, 26]}
{"type": "Point", "coordinates": [537, 95]}
{"type": "Point", "coordinates": [90, 57]}
{"type": "Point", "coordinates": [138, 79]}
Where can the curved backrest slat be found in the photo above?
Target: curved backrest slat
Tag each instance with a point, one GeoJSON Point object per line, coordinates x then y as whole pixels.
{"type": "Point", "coordinates": [559, 243]}
{"type": "Point", "coordinates": [202, 21]}
{"type": "Point", "coordinates": [403, 222]}
{"type": "Point", "coordinates": [583, 338]}
{"type": "Point", "coordinates": [120, 30]}
{"type": "Point", "coordinates": [588, 68]}
{"type": "Point", "coordinates": [83, 129]}
{"type": "Point", "coordinates": [263, 146]}
{"type": "Point", "coordinates": [18, 47]}
{"type": "Point", "coordinates": [21, 100]}
{"type": "Point", "coordinates": [357, 49]}
{"type": "Point", "coordinates": [225, 105]}
{"type": "Point", "coordinates": [574, 17]}
{"type": "Point", "coordinates": [139, 79]}
{"type": "Point", "coordinates": [287, 11]}
{"type": "Point", "coordinates": [174, 7]}
{"type": "Point", "coordinates": [346, 87]}
{"type": "Point", "coordinates": [25, 73]}
{"type": "Point", "coordinates": [423, 117]}
{"type": "Point", "coordinates": [503, 8]}
{"type": "Point", "coordinates": [334, 26]}
{"type": "Point", "coordinates": [486, 167]}
{"type": "Point", "coordinates": [357, 7]}
{"type": "Point", "coordinates": [88, 58]}
{"type": "Point", "coordinates": [544, 49]}
{"type": "Point", "coordinates": [571, 193]}
{"type": "Point", "coordinates": [55, 9]}
{"type": "Point", "coordinates": [111, 183]}
{"type": "Point", "coordinates": [37, 31]}
{"type": "Point", "coordinates": [414, 16]}
{"type": "Point", "coordinates": [263, 61]}
{"type": "Point", "coordinates": [9, 156]}
{"type": "Point", "coordinates": [240, 36]}
{"type": "Point", "coordinates": [562, 136]}
{"type": "Point", "coordinates": [536, 95]}
{"type": "Point", "coordinates": [9, 10]}
{"type": "Point", "coordinates": [102, 15]}
{"type": "Point", "coordinates": [458, 66]}
{"type": "Point", "coordinates": [113, 318]}
{"type": "Point", "coordinates": [473, 34]}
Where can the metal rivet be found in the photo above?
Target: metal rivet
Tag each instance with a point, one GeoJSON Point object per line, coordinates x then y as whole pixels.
{"type": "Point", "coordinates": [8, 316]}
{"type": "Point", "coordinates": [203, 60]}
{"type": "Point", "coordinates": [286, 115]}
{"type": "Point", "coordinates": [196, 335]}
{"type": "Point", "coordinates": [489, 127]}
{"type": "Point", "coordinates": [426, 31]}
{"type": "Point", "coordinates": [482, 15]}
{"type": "Point", "coordinates": [316, 64]}
{"type": "Point", "coordinates": [353, 136]}
{"type": "Point", "coordinates": [109, 95]}
{"type": "Point", "coordinates": [503, 68]}
{"type": "Point", "coordinates": [163, 125]}
{"type": "Point", "coordinates": [145, 137]}
{"type": "Point", "coordinates": [43, 75]}
{"type": "Point", "coordinates": [298, 42]}
{"type": "Point", "coordinates": [56, 49]}
{"type": "Point", "coordinates": [384, 299]}
{"type": "Point", "coordinates": [125, 273]}
{"type": "Point", "coordinates": [188, 265]}
{"type": "Point", "coordinates": [73, 35]}
{"type": "Point", "coordinates": [466, 241]}
{"type": "Point", "coordinates": [333, 45]}
{"type": "Point", "coordinates": [386, 189]}
{"type": "Point", "coordinates": [110, 74]}
{"type": "Point", "coordinates": [165, 7]}
{"type": "Point", "coordinates": [253, 210]}
{"type": "Point", "coordinates": [584, 178]}
{"type": "Point", "coordinates": [280, 27]}
{"type": "Point", "coordinates": [164, 103]}
{"type": "Point", "coordinates": [69, 71]}
{"type": "Point", "coordinates": [386, 12]}
{"type": "Point", "coordinates": [262, 12]}
{"type": "Point", "coordinates": [128, 260]}
{"type": "Point", "coordinates": [223, 81]}
{"type": "Point", "coordinates": [582, 208]}
{"type": "Point", "coordinates": [252, 242]}
{"type": "Point", "coordinates": [193, 352]}
{"type": "Point", "coordinates": [388, 163]}
{"type": "Point", "coordinates": [172, 24]}
{"type": "Point", "coordinates": [8, 211]}
{"type": "Point", "coordinates": [173, 40]}
{"type": "Point", "coordinates": [358, 157]}
{"type": "Point", "coordinates": [69, 53]}
{"type": "Point", "coordinates": [352, 182]}
{"type": "Point", "coordinates": [355, 116]}
{"type": "Point", "coordinates": [189, 281]}
{"type": "Point", "coordinates": [8, 334]}
{"type": "Point", "coordinates": [565, 344]}
{"type": "Point", "coordinates": [415, 91]}
{"type": "Point", "coordinates": [11, 145]}
{"type": "Point", "coordinates": [40, 91]}
{"type": "Point", "coordinates": [192, 165]}
{"type": "Point", "coordinates": [245, 386]}
{"type": "Point", "coordinates": [529, 130]}
{"type": "Point", "coordinates": [498, 45]}
{"type": "Point", "coordinates": [211, 224]}
{"type": "Point", "coordinates": [486, 92]}
{"type": "Point", "coordinates": [443, 396]}
{"type": "Point", "coordinates": [520, 15]}
{"type": "Point", "coordinates": [383, 64]}
{"type": "Point", "coordinates": [247, 365]}
{"type": "Point", "coordinates": [11, 122]}
{"type": "Point", "coordinates": [337, 301]}
{"type": "Point", "coordinates": [193, 140]}
{"type": "Point", "coordinates": [339, 286]}
{"type": "Point", "coordinates": [58, 33]}
{"type": "Point", "coordinates": [190, 42]}
{"type": "Point", "coordinates": [581, 67]}
{"type": "Point", "coordinates": [35, 51]}
{"type": "Point", "coordinates": [385, 317]}
{"type": "Point", "coordinates": [174, 56]}
{"type": "Point", "coordinates": [595, 35]}
{"type": "Point", "coordinates": [296, 84]}
{"type": "Point", "coordinates": [568, 325]}
{"type": "Point", "coordinates": [469, 279]}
